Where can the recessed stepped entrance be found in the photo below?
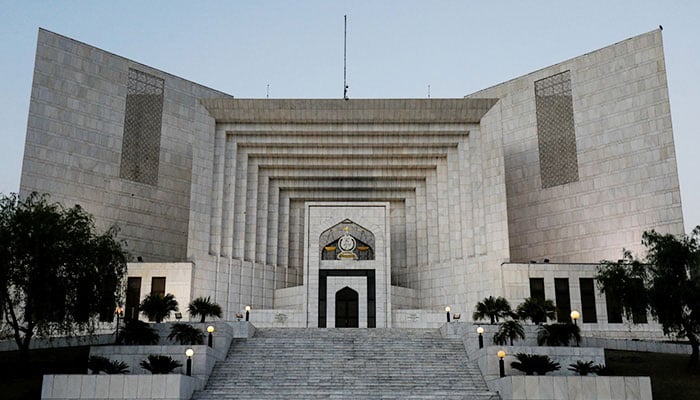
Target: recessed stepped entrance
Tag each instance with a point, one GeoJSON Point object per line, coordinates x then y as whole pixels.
{"type": "Point", "coordinates": [312, 363]}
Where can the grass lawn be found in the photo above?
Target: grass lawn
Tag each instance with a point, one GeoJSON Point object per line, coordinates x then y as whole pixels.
{"type": "Point", "coordinates": [670, 379]}
{"type": "Point", "coordinates": [21, 379]}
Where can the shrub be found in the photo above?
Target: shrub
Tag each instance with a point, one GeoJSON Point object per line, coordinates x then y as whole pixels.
{"type": "Point", "coordinates": [157, 307]}
{"type": "Point", "coordinates": [138, 332]}
{"type": "Point", "coordinates": [534, 363]}
{"type": "Point", "coordinates": [204, 307]}
{"type": "Point", "coordinates": [602, 370]}
{"type": "Point", "coordinates": [582, 368]}
{"type": "Point", "coordinates": [536, 310]}
{"type": "Point", "coordinates": [186, 334]}
{"type": "Point", "coordinates": [512, 330]}
{"type": "Point", "coordinates": [97, 364]}
{"type": "Point", "coordinates": [160, 364]}
{"type": "Point", "coordinates": [558, 334]}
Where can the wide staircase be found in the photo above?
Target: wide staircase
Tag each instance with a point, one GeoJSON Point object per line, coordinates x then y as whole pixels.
{"type": "Point", "coordinates": [346, 364]}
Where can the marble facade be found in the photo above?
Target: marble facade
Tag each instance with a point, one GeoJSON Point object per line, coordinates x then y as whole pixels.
{"type": "Point", "coordinates": [570, 163]}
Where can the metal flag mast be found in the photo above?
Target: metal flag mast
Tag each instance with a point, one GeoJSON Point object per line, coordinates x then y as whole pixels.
{"type": "Point", "coordinates": [345, 59]}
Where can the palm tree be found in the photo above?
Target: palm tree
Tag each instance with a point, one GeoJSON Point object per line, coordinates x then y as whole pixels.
{"type": "Point", "coordinates": [536, 310]}
{"type": "Point", "coordinates": [511, 329]}
{"type": "Point", "coordinates": [157, 307]}
{"type": "Point", "coordinates": [204, 307]}
{"type": "Point", "coordinates": [493, 308]}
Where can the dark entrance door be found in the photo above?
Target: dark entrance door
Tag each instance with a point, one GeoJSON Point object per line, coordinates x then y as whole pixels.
{"type": "Point", "coordinates": [346, 308]}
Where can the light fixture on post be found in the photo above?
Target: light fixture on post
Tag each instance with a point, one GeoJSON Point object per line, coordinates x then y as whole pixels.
{"type": "Point", "coordinates": [247, 313]}
{"type": "Point", "coordinates": [189, 353]}
{"type": "Point", "coordinates": [210, 340]}
{"type": "Point", "coordinates": [447, 311]}
{"type": "Point", "coordinates": [501, 364]}
{"type": "Point", "coordinates": [178, 316]}
{"type": "Point", "coordinates": [575, 315]}
{"type": "Point", "coordinates": [480, 331]}
{"type": "Point", "coordinates": [119, 312]}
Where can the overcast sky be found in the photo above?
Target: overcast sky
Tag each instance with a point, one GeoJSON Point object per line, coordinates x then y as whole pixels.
{"type": "Point", "coordinates": [396, 49]}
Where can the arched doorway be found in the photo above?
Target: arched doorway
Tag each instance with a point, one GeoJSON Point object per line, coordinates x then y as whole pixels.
{"type": "Point", "coordinates": [346, 308]}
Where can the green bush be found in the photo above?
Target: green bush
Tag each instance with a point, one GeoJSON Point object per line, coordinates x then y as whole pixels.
{"type": "Point", "coordinates": [160, 364]}
{"type": "Point", "coordinates": [534, 364]}
{"type": "Point", "coordinates": [536, 310]}
{"type": "Point", "coordinates": [138, 332]}
{"type": "Point", "coordinates": [186, 334]}
{"type": "Point", "coordinates": [157, 307]}
{"type": "Point", "coordinates": [558, 334]}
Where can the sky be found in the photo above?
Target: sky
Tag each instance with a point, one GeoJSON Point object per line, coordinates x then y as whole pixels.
{"type": "Point", "coordinates": [396, 49]}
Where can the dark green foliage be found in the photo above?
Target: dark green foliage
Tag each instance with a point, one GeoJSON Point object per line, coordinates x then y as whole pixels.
{"type": "Point", "coordinates": [668, 285]}
{"type": "Point", "coordinates": [534, 364]}
{"type": "Point", "coordinates": [204, 307]}
{"type": "Point", "coordinates": [157, 307]}
{"type": "Point", "coordinates": [97, 364]}
{"type": "Point", "coordinates": [159, 364]}
{"type": "Point", "coordinates": [186, 334]}
{"type": "Point", "coordinates": [138, 332]}
{"type": "Point", "coordinates": [57, 275]}
{"type": "Point", "coordinates": [582, 368]}
{"type": "Point", "coordinates": [536, 310]}
{"type": "Point", "coordinates": [602, 370]}
{"type": "Point", "coordinates": [558, 334]}
{"type": "Point", "coordinates": [493, 308]}
{"type": "Point", "coordinates": [509, 330]}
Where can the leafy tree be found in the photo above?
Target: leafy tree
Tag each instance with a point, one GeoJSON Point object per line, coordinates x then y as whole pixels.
{"type": "Point", "coordinates": [157, 307]}
{"type": "Point", "coordinates": [534, 364]}
{"type": "Point", "coordinates": [493, 308]}
{"type": "Point", "coordinates": [186, 334]}
{"type": "Point", "coordinates": [204, 307]}
{"type": "Point", "coordinates": [668, 285]}
{"type": "Point", "coordinates": [138, 332]}
{"type": "Point", "coordinates": [509, 330]}
{"type": "Point", "coordinates": [159, 364]}
{"type": "Point", "coordinates": [536, 310]}
{"type": "Point", "coordinates": [560, 334]}
{"type": "Point", "coordinates": [57, 275]}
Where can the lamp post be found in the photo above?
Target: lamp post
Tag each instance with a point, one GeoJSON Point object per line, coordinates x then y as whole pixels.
{"type": "Point", "coordinates": [119, 311]}
{"type": "Point", "coordinates": [189, 353]}
{"type": "Point", "coordinates": [247, 313]}
{"type": "Point", "coordinates": [501, 365]}
{"type": "Point", "coordinates": [447, 311]}
{"type": "Point", "coordinates": [575, 315]}
{"type": "Point", "coordinates": [480, 331]}
{"type": "Point", "coordinates": [210, 329]}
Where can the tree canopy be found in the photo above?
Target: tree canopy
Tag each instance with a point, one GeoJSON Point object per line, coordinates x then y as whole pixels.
{"type": "Point", "coordinates": [57, 275]}
{"type": "Point", "coordinates": [493, 308]}
{"type": "Point", "coordinates": [667, 284]}
{"type": "Point", "coordinates": [204, 307]}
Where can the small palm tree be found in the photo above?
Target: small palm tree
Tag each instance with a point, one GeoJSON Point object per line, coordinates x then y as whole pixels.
{"type": "Point", "coordinates": [582, 368]}
{"type": "Point", "coordinates": [186, 334]}
{"type": "Point", "coordinates": [159, 364]}
{"type": "Point", "coordinates": [204, 307]}
{"type": "Point", "coordinates": [536, 310]}
{"type": "Point", "coordinates": [511, 329]}
{"type": "Point", "coordinates": [98, 364]}
{"type": "Point", "coordinates": [493, 308]}
{"type": "Point", "coordinates": [157, 307]}
{"type": "Point", "coordinates": [534, 364]}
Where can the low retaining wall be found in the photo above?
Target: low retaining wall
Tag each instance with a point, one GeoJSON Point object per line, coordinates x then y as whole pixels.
{"type": "Point", "coordinates": [117, 387]}
{"type": "Point", "coordinates": [572, 387]}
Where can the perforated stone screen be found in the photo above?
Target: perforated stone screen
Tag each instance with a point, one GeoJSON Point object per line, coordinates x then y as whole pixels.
{"type": "Point", "coordinates": [142, 128]}
{"type": "Point", "coordinates": [555, 130]}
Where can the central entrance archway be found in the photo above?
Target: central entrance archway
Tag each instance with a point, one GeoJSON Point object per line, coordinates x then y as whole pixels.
{"type": "Point", "coordinates": [346, 308]}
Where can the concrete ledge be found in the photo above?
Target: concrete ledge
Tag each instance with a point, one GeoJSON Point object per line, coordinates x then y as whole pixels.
{"type": "Point", "coordinates": [171, 386]}
{"type": "Point", "coordinates": [488, 360]}
{"type": "Point", "coordinates": [572, 387]}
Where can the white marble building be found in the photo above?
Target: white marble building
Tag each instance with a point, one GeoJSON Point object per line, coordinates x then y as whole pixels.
{"type": "Point", "coordinates": [446, 201]}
